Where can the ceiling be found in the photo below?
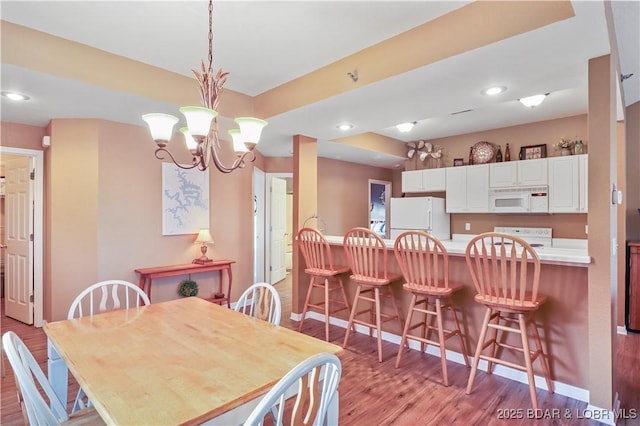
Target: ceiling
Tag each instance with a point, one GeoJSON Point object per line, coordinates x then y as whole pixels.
{"type": "Point", "coordinates": [264, 44]}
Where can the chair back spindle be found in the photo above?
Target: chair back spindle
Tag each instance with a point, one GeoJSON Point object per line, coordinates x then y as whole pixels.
{"type": "Point", "coordinates": [423, 259]}
{"type": "Point", "coordinates": [317, 378]}
{"type": "Point", "coordinates": [315, 250]}
{"type": "Point", "coordinates": [505, 269]}
{"type": "Point", "coordinates": [106, 296]}
{"type": "Point", "coordinates": [366, 254]}
{"type": "Point", "coordinates": [261, 301]}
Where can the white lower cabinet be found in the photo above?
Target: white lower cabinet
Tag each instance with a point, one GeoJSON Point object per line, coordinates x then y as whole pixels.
{"type": "Point", "coordinates": [467, 189]}
{"type": "Point", "coordinates": [568, 184]}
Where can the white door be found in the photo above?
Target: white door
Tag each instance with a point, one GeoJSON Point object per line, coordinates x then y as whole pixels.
{"type": "Point", "coordinates": [278, 229]}
{"type": "Point", "coordinates": [19, 229]}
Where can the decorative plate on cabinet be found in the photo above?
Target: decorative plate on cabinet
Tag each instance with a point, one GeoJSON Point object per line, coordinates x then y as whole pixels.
{"type": "Point", "coordinates": [482, 152]}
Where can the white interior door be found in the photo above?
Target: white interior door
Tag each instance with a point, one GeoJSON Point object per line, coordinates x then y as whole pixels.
{"type": "Point", "coordinates": [19, 231]}
{"type": "Point", "coordinates": [278, 229]}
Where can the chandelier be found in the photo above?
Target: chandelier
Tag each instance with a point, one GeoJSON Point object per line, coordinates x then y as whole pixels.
{"type": "Point", "coordinates": [201, 133]}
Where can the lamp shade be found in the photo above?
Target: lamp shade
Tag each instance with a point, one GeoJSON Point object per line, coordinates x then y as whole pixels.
{"type": "Point", "coordinates": [192, 145]}
{"type": "Point", "coordinates": [250, 129]}
{"type": "Point", "coordinates": [204, 236]}
{"type": "Point", "coordinates": [160, 125]}
{"type": "Point", "coordinates": [198, 119]}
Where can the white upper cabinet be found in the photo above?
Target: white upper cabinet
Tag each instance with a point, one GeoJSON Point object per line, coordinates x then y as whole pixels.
{"type": "Point", "coordinates": [568, 181]}
{"type": "Point", "coordinates": [467, 189]}
{"type": "Point", "coordinates": [518, 173]}
{"type": "Point", "coordinates": [412, 181]}
{"type": "Point", "coordinates": [427, 180]}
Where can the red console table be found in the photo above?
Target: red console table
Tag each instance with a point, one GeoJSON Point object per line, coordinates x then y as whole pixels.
{"type": "Point", "coordinates": [148, 274]}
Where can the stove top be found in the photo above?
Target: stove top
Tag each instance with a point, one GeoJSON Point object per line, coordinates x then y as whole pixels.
{"type": "Point", "coordinates": [536, 237]}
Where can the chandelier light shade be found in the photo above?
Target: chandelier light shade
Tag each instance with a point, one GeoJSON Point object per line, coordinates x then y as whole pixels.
{"type": "Point", "coordinates": [250, 130]}
{"type": "Point", "coordinates": [201, 133]}
{"type": "Point", "coordinates": [198, 120]}
{"type": "Point", "coordinates": [191, 143]}
{"type": "Point", "coordinates": [161, 127]}
{"type": "Point", "coordinates": [238, 144]}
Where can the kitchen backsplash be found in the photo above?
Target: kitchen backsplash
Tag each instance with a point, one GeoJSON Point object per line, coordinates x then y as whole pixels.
{"type": "Point", "coordinates": [563, 225]}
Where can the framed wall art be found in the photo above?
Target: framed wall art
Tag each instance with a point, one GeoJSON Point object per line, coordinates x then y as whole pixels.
{"type": "Point", "coordinates": [185, 200]}
{"type": "Point", "coordinates": [532, 152]}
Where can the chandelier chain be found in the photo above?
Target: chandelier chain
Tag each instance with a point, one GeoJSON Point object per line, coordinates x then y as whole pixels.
{"type": "Point", "coordinates": [210, 38]}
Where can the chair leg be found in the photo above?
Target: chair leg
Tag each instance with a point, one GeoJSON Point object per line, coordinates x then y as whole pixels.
{"type": "Point", "coordinates": [494, 347]}
{"type": "Point", "coordinates": [395, 306]}
{"type": "Point", "coordinates": [527, 360]}
{"type": "Point", "coordinates": [443, 351]}
{"type": "Point", "coordinates": [306, 304]}
{"type": "Point", "coordinates": [543, 356]}
{"type": "Point", "coordinates": [476, 356]}
{"type": "Point", "coordinates": [354, 308]}
{"type": "Point", "coordinates": [463, 348]}
{"type": "Point", "coordinates": [405, 331]}
{"type": "Point", "coordinates": [425, 324]}
{"type": "Point", "coordinates": [429, 322]}
{"type": "Point", "coordinates": [326, 309]}
{"type": "Point", "coordinates": [378, 322]}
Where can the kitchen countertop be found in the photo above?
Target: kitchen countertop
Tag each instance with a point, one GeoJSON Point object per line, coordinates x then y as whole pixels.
{"type": "Point", "coordinates": [563, 251]}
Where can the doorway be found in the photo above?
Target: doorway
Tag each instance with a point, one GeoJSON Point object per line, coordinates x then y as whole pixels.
{"type": "Point", "coordinates": [273, 194]}
{"type": "Point", "coordinates": [32, 284]}
{"type": "Point", "coordinates": [379, 196]}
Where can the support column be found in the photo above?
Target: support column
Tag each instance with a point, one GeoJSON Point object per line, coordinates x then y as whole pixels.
{"type": "Point", "coordinates": [603, 245]}
{"type": "Point", "coordinates": [305, 205]}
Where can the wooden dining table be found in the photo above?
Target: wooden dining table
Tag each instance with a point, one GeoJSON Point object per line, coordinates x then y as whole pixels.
{"type": "Point", "coordinates": [185, 361]}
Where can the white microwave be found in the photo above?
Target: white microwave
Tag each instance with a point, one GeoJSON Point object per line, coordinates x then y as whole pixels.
{"type": "Point", "coordinates": [530, 199]}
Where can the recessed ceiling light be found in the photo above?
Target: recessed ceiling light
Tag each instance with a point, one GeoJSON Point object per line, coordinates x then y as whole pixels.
{"type": "Point", "coordinates": [533, 101]}
{"type": "Point", "coordinates": [15, 96]}
{"type": "Point", "coordinates": [345, 126]}
{"type": "Point", "coordinates": [405, 127]}
{"type": "Point", "coordinates": [495, 90]}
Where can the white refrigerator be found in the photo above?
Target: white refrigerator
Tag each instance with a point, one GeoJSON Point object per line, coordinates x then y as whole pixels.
{"type": "Point", "coordinates": [419, 213]}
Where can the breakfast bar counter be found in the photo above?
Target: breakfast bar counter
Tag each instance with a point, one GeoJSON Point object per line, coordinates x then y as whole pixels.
{"type": "Point", "coordinates": [562, 252]}
{"type": "Point", "coordinates": [563, 318]}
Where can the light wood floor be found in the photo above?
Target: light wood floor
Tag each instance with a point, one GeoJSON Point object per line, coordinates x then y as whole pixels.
{"type": "Point", "coordinates": [373, 393]}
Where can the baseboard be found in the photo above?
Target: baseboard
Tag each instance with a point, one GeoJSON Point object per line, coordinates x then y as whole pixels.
{"type": "Point", "coordinates": [499, 370]}
{"type": "Point", "coordinates": [622, 330]}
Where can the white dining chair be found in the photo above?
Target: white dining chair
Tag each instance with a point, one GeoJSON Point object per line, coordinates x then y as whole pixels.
{"type": "Point", "coordinates": [105, 296]}
{"type": "Point", "coordinates": [261, 301]}
{"type": "Point", "coordinates": [39, 409]}
{"type": "Point", "coordinates": [317, 378]}
{"type": "Point", "coordinates": [101, 297]}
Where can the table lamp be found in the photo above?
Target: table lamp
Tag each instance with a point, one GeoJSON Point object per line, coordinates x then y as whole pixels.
{"type": "Point", "coordinates": [204, 238]}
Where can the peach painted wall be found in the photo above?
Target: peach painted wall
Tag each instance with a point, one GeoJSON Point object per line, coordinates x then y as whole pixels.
{"type": "Point", "coordinates": [103, 211]}
{"type": "Point", "coordinates": [21, 136]}
{"type": "Point", "coordinates": [343, 193]}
